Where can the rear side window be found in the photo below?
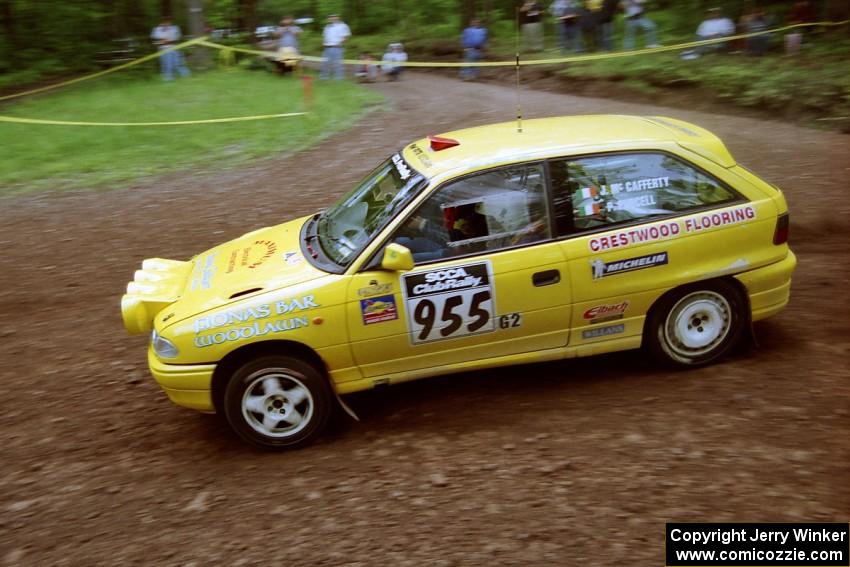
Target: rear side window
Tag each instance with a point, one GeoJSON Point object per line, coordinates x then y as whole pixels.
{"type": "Point", "coordinates": [595, 192]}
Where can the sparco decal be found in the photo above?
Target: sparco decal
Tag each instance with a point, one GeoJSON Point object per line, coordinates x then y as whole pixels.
{"type": "Point", "coordinates": [449, 303]}
{"type": "Point", "coordinates": [671, 229]}
{"type": "Point", "coordinates": [602, 313]}
{"type": "Point", "coordinates": [600, 269]}
{"type": "Point", "coordinates": [420, 153]}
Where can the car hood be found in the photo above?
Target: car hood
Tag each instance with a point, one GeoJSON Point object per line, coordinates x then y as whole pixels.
{"type": "Point", "coordinates": [170, 291]}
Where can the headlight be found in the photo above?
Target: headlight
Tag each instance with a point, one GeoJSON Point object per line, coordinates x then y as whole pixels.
{"type": "Point", "coordinates": [163, 347]}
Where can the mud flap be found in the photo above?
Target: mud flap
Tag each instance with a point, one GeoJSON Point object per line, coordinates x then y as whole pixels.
{"type": "Point", "coordinates": [346, 407]}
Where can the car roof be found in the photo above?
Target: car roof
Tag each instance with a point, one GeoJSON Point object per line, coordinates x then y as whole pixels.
{"type": "Point", "coordinates": [494, 144]}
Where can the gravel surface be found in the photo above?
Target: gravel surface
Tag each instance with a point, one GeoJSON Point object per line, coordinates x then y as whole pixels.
{"type": "Point", "coordinates": [574, 463]}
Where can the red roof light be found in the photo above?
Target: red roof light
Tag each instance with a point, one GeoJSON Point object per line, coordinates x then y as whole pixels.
{"type": "Point", "coordinates": [439, 143]}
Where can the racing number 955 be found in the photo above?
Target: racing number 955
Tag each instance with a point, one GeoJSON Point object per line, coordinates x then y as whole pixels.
{"type": "Point", "coordinates": [425, 314]}
{"type": "Point", "coordinates": [449, 302]}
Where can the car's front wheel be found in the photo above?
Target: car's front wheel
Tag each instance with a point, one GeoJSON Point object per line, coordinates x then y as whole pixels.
{"type": "Point", "coordinates": [278, 402]}
{"type": "Point", "coordinates": [698, 324]}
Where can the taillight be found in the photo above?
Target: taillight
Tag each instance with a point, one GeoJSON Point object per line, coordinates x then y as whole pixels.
{"type": "Point", "coordinates": [780, 235]}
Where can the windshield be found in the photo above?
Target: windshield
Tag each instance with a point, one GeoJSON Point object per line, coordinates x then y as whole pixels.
{"type": "Point", "coordinates": [347, 227]}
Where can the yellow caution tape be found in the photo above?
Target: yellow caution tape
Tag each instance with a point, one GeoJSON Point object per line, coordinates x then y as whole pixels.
{"type": "Point", "coordinates": [229, 50]}
{"type": "Point", "coordinates": [175, 123]}
{"type": "Point", "coordinates": [569, 59]}
{"type": "Point", "coordinates": [106, 71]}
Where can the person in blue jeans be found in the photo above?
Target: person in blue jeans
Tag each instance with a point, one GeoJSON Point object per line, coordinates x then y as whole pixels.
{"type": "Point", "coordinates": [166, 35]}
{"type": "Point", "coordinates": [635, 14]}
{"type": "Point", "coordinates": [334, 36]}
{"type": "Point", "coordinates": [605, 26]}
{"type": "Point", "coordinates": [473, 40]}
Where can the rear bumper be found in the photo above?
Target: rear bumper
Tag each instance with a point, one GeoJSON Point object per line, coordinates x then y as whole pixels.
{"type": "Point", "coordinates": [769, 287]}
{"type": "Point", "coordinates": [187, 385]}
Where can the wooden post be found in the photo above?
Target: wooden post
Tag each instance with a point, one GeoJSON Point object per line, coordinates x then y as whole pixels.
{"type": "Point", "coordinates": [307, 92]}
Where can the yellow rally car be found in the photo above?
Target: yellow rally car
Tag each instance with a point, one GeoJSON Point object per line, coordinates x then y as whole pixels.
{"type": "Point", "coordinates": [478, 248]}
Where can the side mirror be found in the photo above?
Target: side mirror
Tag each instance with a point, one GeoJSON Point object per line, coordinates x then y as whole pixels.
{"type": "Point", "coordinates": [397, 258]}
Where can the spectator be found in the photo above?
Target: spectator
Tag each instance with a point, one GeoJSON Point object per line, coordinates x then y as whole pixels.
{"type": "Point", "coordinates": [572, 25]}
{"type": "Point", "coordinates": [531, 24]}
{"type": "Point", "coordinates": [166, 35]}
{"type": "Point", "coordinates": [590, 18]}
{"type": "Point", "coordinates": [287, 56]}
{"type": "Point", "coordinates": [714, 26]}
{"type": "Point", "coordinates": [473, 40]}
{"type": "Point", "coordinates": [334, 36]}
{"type": "Point", "coordinates": [801, 13]}
{"type": "Point", "coordinates": [635, 13]}
{"type": "Point", "coordinates": [395, 54]}
{"type": "Point", "coordinates": [288, 34]}
{"type": "Point", "coordinates": [753, 22]}
{"type": "Point", "coordinates": [558, 9]}
{"type": "Point", "coordinates": [367, 72]}
{"type": "Point", "coordinates": [605, 29]}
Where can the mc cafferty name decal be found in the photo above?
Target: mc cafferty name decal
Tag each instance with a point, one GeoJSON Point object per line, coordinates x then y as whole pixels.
{"type": "Point", "coordinates": [600, 269]}
{"type": "Point", "coordinates": [671, 229]}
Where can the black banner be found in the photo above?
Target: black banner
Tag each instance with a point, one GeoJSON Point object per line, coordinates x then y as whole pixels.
{"type": "Point", "coordinates": [464, 277]}
{"type": "Point", "coordinates": [758, 544]}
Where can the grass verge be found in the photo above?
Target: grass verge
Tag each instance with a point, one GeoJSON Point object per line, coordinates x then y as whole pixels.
{"type": "Point", "coordinates": [64, 157]}
{"type": "Point", "coordinates": [813, 85]}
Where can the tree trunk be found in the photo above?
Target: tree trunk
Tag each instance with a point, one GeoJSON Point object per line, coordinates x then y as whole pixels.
{"type": "Point", "coordinates": [199, 55]}
{"type": "Point", "coordinates": [467, 12]}
{"type": "Point", "coordinates": [7, 23]}
{"type": "Point", "coordinates": [317, 17]}
{"type": "Point", "coordinates": [248, 17]}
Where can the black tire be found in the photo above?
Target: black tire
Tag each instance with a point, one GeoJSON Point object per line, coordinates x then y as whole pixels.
{"type": "Point", "coordinates": [278, 402]}
{"type": "Point", "coordinates": [697, 325]}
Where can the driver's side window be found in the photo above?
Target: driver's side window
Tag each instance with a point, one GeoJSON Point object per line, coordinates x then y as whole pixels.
{"type": "Point", "coordinates": [488, 211]}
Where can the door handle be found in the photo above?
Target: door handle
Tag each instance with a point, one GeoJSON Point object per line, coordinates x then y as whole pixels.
{"type": "Point", "coordinates": [547, 277]}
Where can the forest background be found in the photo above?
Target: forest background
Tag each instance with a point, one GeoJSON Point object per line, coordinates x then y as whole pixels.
{"type": "Point", "coordinates": [47, 40]}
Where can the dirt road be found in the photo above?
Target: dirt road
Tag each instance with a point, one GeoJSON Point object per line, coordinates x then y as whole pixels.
{"type": "Point", "coordinates": [574, 463]}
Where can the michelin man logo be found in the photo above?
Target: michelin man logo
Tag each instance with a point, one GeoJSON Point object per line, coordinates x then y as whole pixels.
{"type": "Point", "coordinates": [598, 267]}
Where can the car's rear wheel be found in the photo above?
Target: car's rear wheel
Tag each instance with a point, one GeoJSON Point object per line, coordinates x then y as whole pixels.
{"type": "Point", "coordinates": [278, 402]}
{"type": "Point", "coordinates": [697, 325]}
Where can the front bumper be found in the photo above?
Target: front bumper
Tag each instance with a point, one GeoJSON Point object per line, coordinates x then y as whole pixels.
{"type": "Point", "coordinates": [187, 385]}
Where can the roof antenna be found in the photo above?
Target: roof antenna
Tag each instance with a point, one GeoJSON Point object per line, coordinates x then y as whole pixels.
{"type": "Point", "coordinates": [518, 92]}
